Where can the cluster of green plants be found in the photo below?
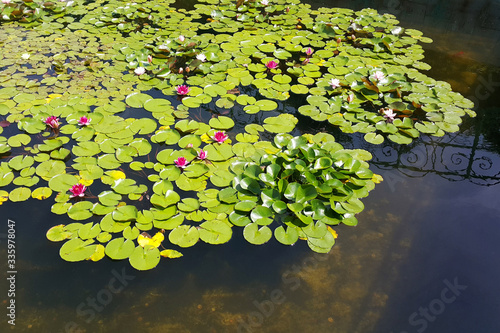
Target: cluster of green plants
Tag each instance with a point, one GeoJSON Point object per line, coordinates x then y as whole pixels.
{"type": "Point", "coordinates": [150, 125]}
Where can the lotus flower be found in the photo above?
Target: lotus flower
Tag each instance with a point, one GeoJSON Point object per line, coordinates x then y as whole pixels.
{"type": "Point", "coordinates": [309, 51]}
{"type": "Point", "coordinates": [181, 162]}
{"type": "Point", "coordinates": [140, 70]}
{"type": "Point", "coordinates": [182, 38]}
{"type": "Point", "coordinates": [201, 57]}
{"type": "Point", "coordinates": [202, 154]}
{"type": "Point", "coordinates": [84, 121]}
{"type": "Point", "coordinates": [272, 64]}
{"type": "Point", "coordinates": [335, 83]}
{"type": "Point", "coordinates": [389, 115]}
{"type": "Point", "coordinates": [220, 136]}
{"type": "Point", "coordinates": [182, 90]}
{"type": "Point", "coordinates": [379, 76]}
{"type": "Point", "coordinates": [52, 121]}
{"type": "Point", "coordinates": [77, 190]}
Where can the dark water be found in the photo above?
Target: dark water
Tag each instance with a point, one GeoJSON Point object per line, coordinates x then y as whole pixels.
{"type": "Point", "coordinates": [424, 257]}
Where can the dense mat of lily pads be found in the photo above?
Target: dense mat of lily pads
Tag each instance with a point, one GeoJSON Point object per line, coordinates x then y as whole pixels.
{"type": "Point", "coordinates": [141, 118]}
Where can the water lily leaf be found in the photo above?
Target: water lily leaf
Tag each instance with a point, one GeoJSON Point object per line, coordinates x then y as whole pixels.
{"type": "Point", "coordinates": [219, 152]}
{"type": "Point", "coordinates": [89, 231]}
{"type": "Point", "coordinates": [124, 186]}
{"type": "Point", "coordinates": [80, 210]}
{"type": "Point", "coordinates": [188, 205]}
{"type": "Point", "coordinates": [19, 140]}
{"type": "Point", "coordinates": [266, 105]}
{"type": "Point", "coordinates": [20, 162]}
{"type": "Point", "coordinates": [19, 194]}
{"type": "Point", "coordinates": [171, 254]}
{"type": "Point", "coordinates": [143, 126]}
{"type": "Point", "coordinates": [144, 258]}
{"type": "Point", "coordinates": [168, 136]}
{"type": "Point", "coordinates": [262, 215]}
{"type": "Point", "coordinates": [137, 100]}
{"type": "Point", "coordinates": [125, 213]}
{"type": "Point", "coordinates": [215, 232]}
{"type": "Point", "coordinates": [286, 237]}
{"type": "Point", "coordinates": [283, 123]}
{"type": "Point", "coordinates": [323, 244]}
{"type": "Point", "coordinates": [184, 236]}
{"type": "Point", "coordinates": [50, 168]}
{"type": "Point", "coordinates": [62, 182]}
{"type": "Point", "coordinates": [255, 235]}
{"type": "Point", "coordinates": [119, 248]}
{"type": "Point", "coordinates": [145, 240]}
{"type": "Point", "coordinates": [41, 193]}
{"type": "Point", "coordinates": [374, 138]}
{"type": "Point", "coordinates": [31, 125]}
{"type": "Point", "coordinates": [108, 161]}
{"type": "Point", "coordinates": [77, 250]}
{"type": "Point", "coordinates": [221, 122]}
{"type": "Point", "coordinates": [58, 233]}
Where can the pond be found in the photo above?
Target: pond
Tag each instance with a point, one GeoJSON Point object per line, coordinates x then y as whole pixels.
{"type": "Point", "coordinates": [423, 257]}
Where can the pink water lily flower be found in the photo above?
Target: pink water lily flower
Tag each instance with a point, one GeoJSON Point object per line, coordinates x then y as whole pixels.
{"type": "Point", "coordinates": [84, 121]}
{"type": "Point", "coordinates": [77, 190]}
{"type": "Point", "coordinates": [379, 76]}
{"type": "Point", "coordinates": [182, 38]}
{"type": "Point", "coordinates": [150, 58]}
{"type": "Point", "coordinates": [52, 121]}
{"type": "Point", "coordinates": [309, 51]}
{"type": "Point", "coordinates": [389, 115]}
{"type": "Point", "coordinates": [6, 2]}
{"type": "Point", "coordinates": [182, 90]}
{"type": "Point", "coordinates": [202, 154]}
{"type": "Point", "coordinates": [220, 136]}
{"type": "Point", "coordinates": [265, 2]}
{"type": "Point", "coordinates": [181, 162]}
{"type": "Point", "coordinates": [272, 64]}
{"type": "Point", "coordinates": [334, 83]}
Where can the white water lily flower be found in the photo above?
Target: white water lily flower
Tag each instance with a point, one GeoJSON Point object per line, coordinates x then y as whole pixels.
{"type": "Point", "coordinates": [25, 56]}
{"type": "Point", "coordinates": [379, 76]}
{"type": "Point", "coordinates": [201, 57]}
{"type": "Point", "coordinates": [335, 83]}
{"type": "Point", "coordinates": [140, 70]}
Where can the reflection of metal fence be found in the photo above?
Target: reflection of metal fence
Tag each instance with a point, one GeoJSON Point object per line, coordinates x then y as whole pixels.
{"type": "Point", "coordinates": [454, 157]}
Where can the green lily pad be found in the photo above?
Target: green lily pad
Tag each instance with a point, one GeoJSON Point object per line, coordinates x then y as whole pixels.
{"type": "Point", "coordinates": [255, 235]}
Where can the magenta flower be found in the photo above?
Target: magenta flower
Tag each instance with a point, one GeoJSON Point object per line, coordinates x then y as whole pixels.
{"type": "Point", "coordinates": [84, 121]}
{"type": "Point", "coordinates": [389, 115]}
{"type": "Point", "coordinates": [182, 90]}
{"type": "Point", "coordinates": [181, 162]}
{"type": "Point", "coordinates": [272, 64]}
{"type": "Point", "coordinates": [77, 190]}
{"type": "Point", "coordinates": [52, 121]}
{"type": "Point", "coordinates": [220, 136]}
{"type": "Point", "coordinates": [202, 154]}
{"type": "Point", "coordinates": [309, 51]}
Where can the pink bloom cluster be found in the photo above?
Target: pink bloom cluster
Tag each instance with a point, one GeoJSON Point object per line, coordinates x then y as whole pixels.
{"type": "Point", "coordinates": [272, 64]}
{"type": "Point", "coordinates": [77, 190]}
{"type": "Point", "coordinates": [389, 115]}
{"type": "Point", "coordinates": [202, 155]}
{"type": "Point", "coordinates": [52, 121]}
{"type": "Point", "coordinates": [220, 136]}
{"type": "Point", "coordinates": [182, 90]}
{"type": "Point", "coordinates": [181, 162]}
{"type": "Point", "coordinates": [84, 121]}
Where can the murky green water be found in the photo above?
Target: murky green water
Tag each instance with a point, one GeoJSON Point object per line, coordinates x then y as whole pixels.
{"type": "Point", "coordinates": [423, 258]}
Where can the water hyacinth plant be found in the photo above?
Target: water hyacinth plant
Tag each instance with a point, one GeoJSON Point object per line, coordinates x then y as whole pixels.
{"type": "Point", "coordinates": [145, 103]}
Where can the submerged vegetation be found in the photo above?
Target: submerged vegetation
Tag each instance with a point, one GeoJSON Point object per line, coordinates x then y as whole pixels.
{"type": "Point", "coordinates": [155, 127]}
